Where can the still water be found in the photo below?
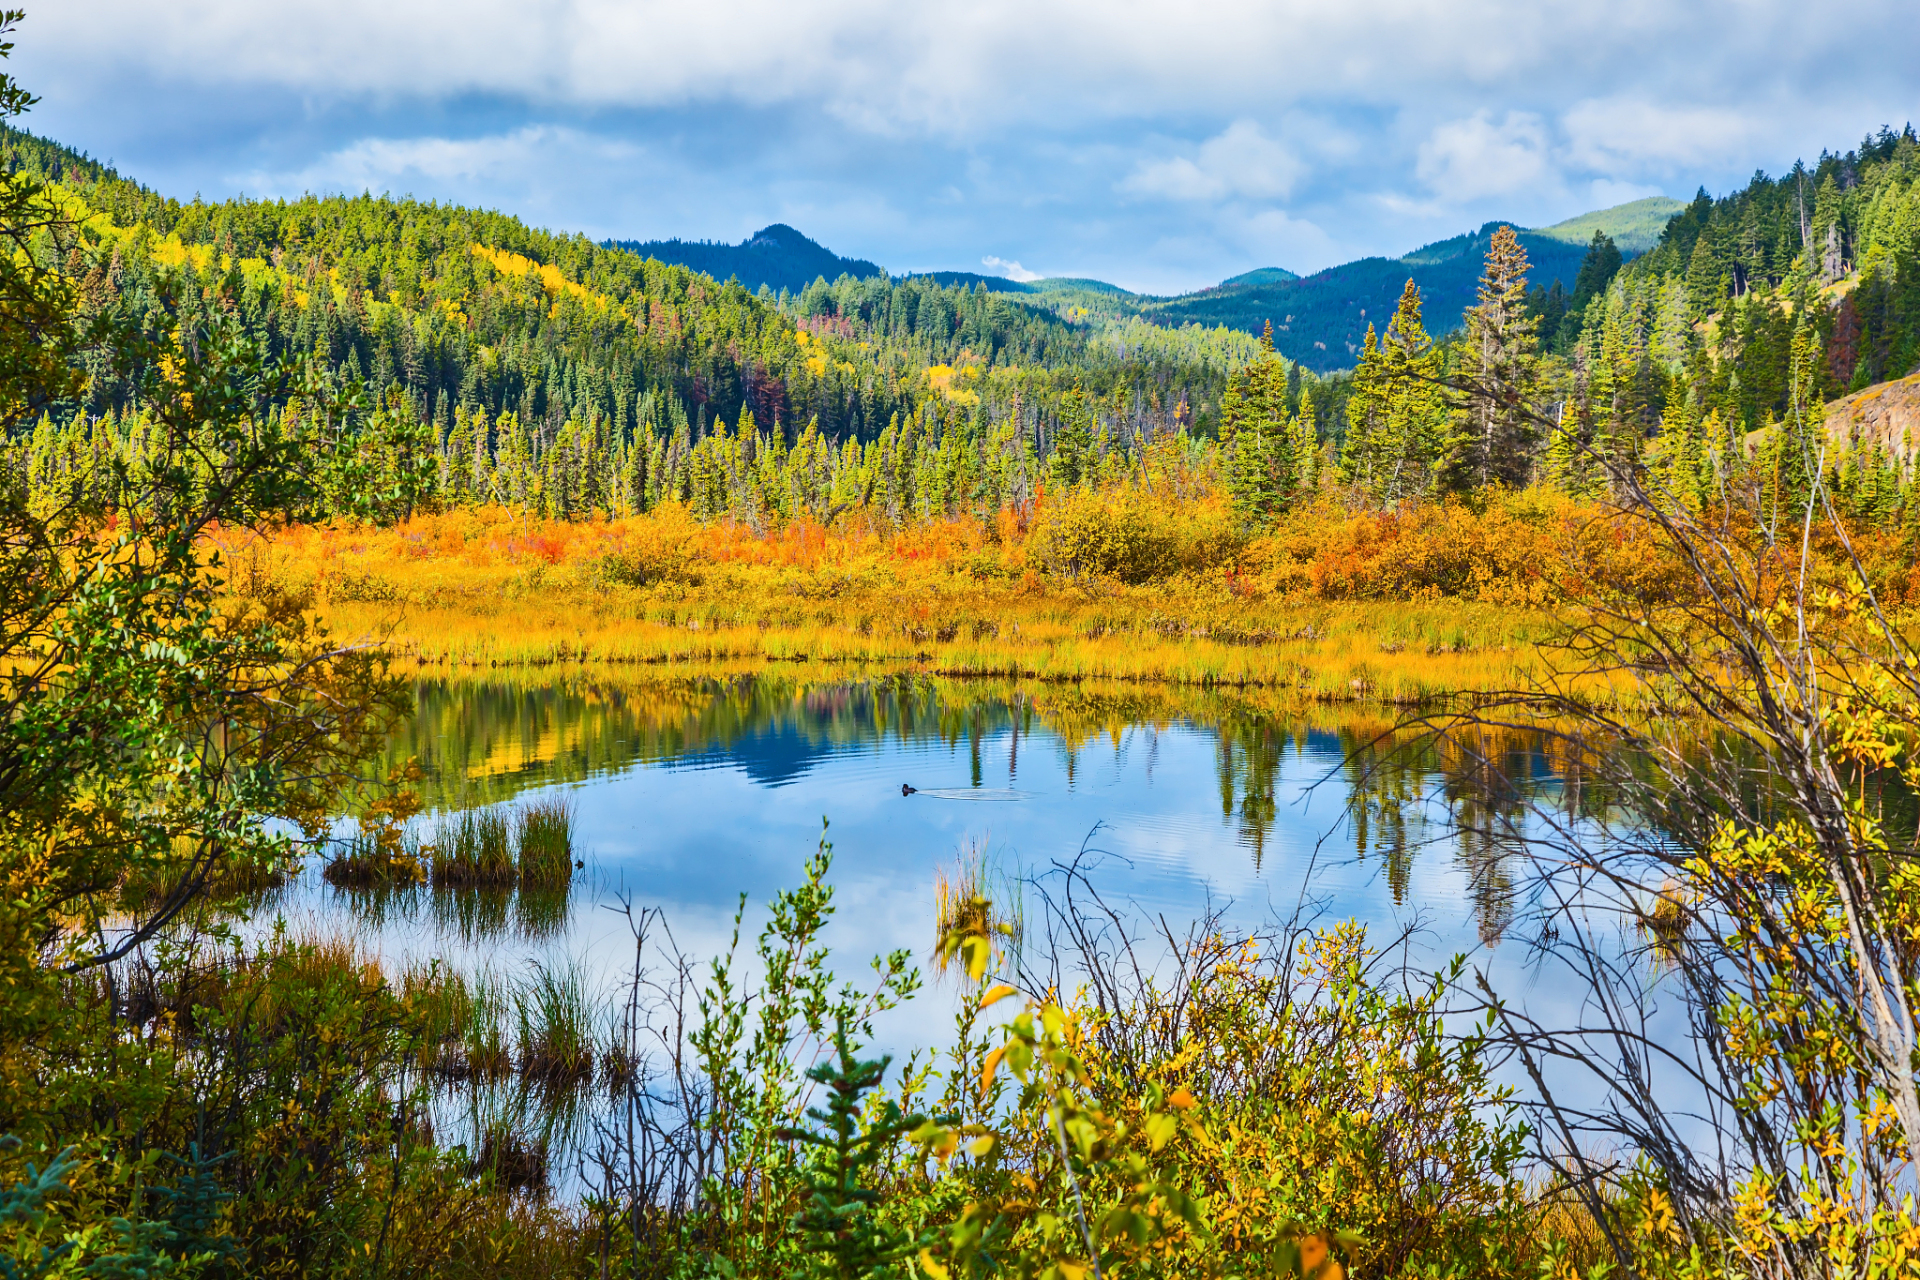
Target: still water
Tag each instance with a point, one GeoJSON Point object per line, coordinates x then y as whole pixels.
{"type": "Point", "coordinates": [689, 795]}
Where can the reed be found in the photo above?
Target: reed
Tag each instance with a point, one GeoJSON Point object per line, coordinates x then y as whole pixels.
{"type": "Point", "coordinates": [360, 862]}
{"type": "Point", "coordinates": [443, 1004]}
{"type": "Point", "coordinates": [540, 915]}
{"type": "Point", "coordinates": [478, 914]}
{"type": "Point", "coordinates": [513, 1160]}
{"type": "Point", "coordinates": [979, 916]}
{"type": "Point", "coordinates": [545, 835]}
{"type": "Point", "coordinates": [486, 1039]}
{"type": "Point", "coordinates": [555, 1020]}
{"type": "Point", "coordinates": [474, 850]}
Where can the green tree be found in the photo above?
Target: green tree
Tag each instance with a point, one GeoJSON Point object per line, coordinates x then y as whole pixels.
{"type": "Point", "coordinates": [1494, 436]}
{"type": "Point", "coordinates": [1597, 271]}
{"type": "Point", "coordinates": [152, 726]}
{"type": "Point", "coordinates": [1267, 462]}
{"type": "Point", "coordinates": [1397, 416]}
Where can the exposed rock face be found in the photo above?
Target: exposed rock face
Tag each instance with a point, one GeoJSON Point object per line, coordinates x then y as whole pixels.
{"type": "Point", "coordinates": [1887, 414]}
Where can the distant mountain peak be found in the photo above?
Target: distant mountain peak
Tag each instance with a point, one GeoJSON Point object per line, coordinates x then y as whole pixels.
{"type": "Point", "coordinates": [1260, 275]}
{"type": "Point", "coordinates": [779, 235]}
{"type": "Point", "coordinates": [1635, 226]}
{"type": "Point", "coordinates": [777, 256]}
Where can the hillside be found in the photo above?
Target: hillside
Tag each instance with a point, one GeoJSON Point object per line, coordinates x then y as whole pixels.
{"type": "Point", "coordinates": [777, 257]}
{"type": "Point", "coordinates": [1635, 226]}
{"type": "Point", "coordinates": [1322, 320]}
{"type": "Point", "coordinates": [468, 312]}
{"type": "Point", "coordinates": [1261, 275]}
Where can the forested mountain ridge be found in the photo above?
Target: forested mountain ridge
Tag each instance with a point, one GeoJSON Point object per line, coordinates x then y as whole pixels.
{"type": "Point", "coordinates": [505, 363]}
{"type": "Point", "coordinates": [1635, 226]}
{"type": "Point", "coordinates": [1755, 308]}
{"type": "Point", "coordinates": [467, 307]}
{"type": "Point", "coordinates": [510, 364]}
{"type": "Point", "coordinates": [1321, 320]}
{"type": "Point", "coordinates": [777, 257]}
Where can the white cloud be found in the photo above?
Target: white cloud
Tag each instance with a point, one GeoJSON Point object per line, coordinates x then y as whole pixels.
{"type": "Point", "coordinates": [1241, 162]}
{"type": "Point", "coordinates": [397, 165]}
{"type": "Point", "coordinates": [1604, 193]}
{"type": "Point", "coordinates": [1619, 136]}
{"type": "Point", "coordinates": [1273, 238]}
{"type": "Point", "coordinates": [1466, 159]}
{"type": "Point", "coordinates": [927, 132]}
{"type": "Point", "coordinates": [1011, 270]}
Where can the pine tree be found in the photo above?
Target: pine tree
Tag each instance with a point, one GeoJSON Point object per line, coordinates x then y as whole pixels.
{"type": "Point", "coordinates": [1072, 455]}
{"type": "Point", "coordinates": [1262, 452]}
{"type": "Point", "coordinates": [1397, 415]}
{"type": "Point", "coordinates": [1597, 271]}
{"type": "Point", "coordinates": [1494, 436]}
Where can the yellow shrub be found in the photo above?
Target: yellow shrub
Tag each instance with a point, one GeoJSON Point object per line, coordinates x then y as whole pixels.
{"type": "Point", "coordinates": [1129, 535]}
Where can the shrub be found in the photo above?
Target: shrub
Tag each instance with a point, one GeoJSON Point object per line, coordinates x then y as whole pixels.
{"type": "Point", "coordinates": [1128, 535]}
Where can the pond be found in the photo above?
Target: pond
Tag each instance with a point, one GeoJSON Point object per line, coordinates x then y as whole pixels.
{"type": "Point", "coordinates": [699, 799]}
{"type": "Point", "coordinates": [686, 795]}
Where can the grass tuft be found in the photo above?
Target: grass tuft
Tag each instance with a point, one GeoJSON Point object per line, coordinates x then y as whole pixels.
{"type": "Point", "coordinates": [546, 843]}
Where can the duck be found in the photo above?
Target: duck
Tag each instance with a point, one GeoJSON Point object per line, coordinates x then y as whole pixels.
{"type": "Point", "coordinates": [907, 789]}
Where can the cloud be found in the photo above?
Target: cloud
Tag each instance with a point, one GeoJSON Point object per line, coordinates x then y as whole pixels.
{"type": "Point", "coordinates": [1011, 270]}
{"type": "Point", "coordinates": [1140, 139]}
{"type": "Point", "coordinates": [1274, 238]}
{"type": "Point", "coordinates": [1604, 193]}
{"type": "Point", "coordinates": [1626, 135]}
{"type": "Point", "coordinates": [1468, 159]}
{"type": "Point", "coordinates": [1241, 162]}
{"type": "Point", "coordinates": [398, 165]}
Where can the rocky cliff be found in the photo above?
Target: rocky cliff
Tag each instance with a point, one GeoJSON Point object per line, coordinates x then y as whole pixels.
{"type": "Point", "coordinates": [1887, 414]}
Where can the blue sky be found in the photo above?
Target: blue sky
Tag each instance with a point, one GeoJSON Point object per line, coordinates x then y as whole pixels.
{"type": "Point", "coordinates": [1160, 146]}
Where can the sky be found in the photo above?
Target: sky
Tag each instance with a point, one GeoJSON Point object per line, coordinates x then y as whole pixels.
{"type": "Point", "coordinates": [1161, 146]}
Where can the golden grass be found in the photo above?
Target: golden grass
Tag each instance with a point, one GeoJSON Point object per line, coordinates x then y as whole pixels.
{"type": "Point", "coordinates": [488, 589]}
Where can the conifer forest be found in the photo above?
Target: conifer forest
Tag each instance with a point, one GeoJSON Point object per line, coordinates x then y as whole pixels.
{"type": "Point", "coordinates": [357, 550]}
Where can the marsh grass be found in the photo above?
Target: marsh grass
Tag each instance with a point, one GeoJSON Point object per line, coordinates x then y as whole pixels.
{"type": "Point", "coordinates": [474, 915]}
{"type": "Point", "coordinates": [487, 1050]}
{"type": "Point", "coordinates": [556, 1021]}
{"type": "Point", "coordinates": [979, 915]}
{"type": "Point", "coordinates": [545, 831]}
{"type": "Point", "coordinates": [513, 1160]}
{"type": "Point", "coordinates": [358, 861]}
{"type": "Point", "coordinates": [540, 915]}
{"type": "Point", "coordinates": [1334, 604]}
{"type": "Point", "coordinates": [474, 849]}
{"type": "Point", "coordinates": [444, 1007]}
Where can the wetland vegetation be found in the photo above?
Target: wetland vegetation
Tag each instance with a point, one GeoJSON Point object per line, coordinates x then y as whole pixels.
{"type": "Point", "coordinates": [1600, 587]}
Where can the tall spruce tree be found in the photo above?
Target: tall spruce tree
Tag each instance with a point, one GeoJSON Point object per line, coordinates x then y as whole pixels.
{"type": "Point", "coordinates": [1397, 415]}
{"type": "Point", "coordinates": [1597, 270]}
{"type": "Point", "coordinates": [1494, 436]}
{"type": "Point", "coordinates": [1263, 449]}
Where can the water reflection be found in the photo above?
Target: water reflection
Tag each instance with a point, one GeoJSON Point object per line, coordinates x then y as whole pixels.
{"type": "Point", "coordinates": [1064, 760]}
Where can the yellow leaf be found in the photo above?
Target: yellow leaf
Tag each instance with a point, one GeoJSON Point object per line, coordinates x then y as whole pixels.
{"type": "Point", "coordinates": [1181, 1099]}
{"type": "Point", "coordinates": [931, 1267]}
{"type": "Point", "coordinates": [992, 1065]}
{"type": "Point", "coordinates": [996, 994]}
{"type": "Point", "coordinates": [1160, 1129]}
{"type": "Point", "coordinates": [980, 1146]}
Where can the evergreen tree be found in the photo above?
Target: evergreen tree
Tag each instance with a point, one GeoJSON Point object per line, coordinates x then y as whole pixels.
{"type": "Point", "coordinates": [1597, 271]}
{"type": "Point", "coordinates": [1397, 415]}
{"type": "Point", "coordinates": [1494, 435]}
{"type": "Point", "coordinates": [1263, 451]}
{"type": "Point", "coordinates": [1073, 439]}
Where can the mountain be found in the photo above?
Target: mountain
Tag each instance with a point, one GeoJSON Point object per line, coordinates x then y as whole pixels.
{"type": "Point", "coordinates": [1635, 226]}
{"type": "Point", "coordinates": [1321, 320]}
{"type": "Point", "coordinates": [778, 257]}
{"type": "Point", "coordinates": [1261, 275]}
